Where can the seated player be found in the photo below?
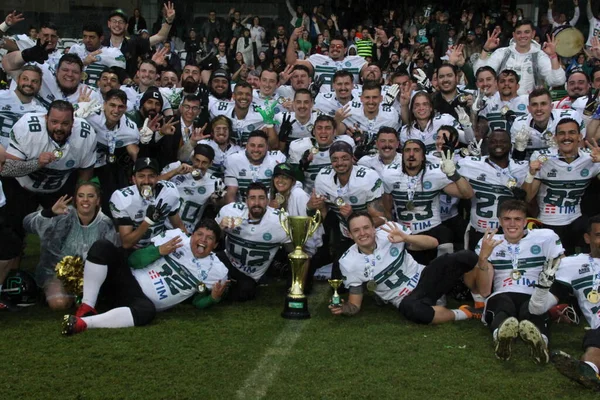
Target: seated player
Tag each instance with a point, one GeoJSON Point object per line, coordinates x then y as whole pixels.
{"type": "Point", "coordinates": [169, 271]}
{"type": "Point", "coordinates": [507, 270]}
{"type": "Point", "coordinates": [379, 259]}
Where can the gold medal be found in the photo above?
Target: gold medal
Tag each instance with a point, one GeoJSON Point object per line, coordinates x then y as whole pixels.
{"type": "Point", "coordinates": [410, 205]}
{"type": "Point", "coordinates": [279, 199]}
{"type": "Point", "coordinates": [147, 192]}
{"type": "Point", "coordinates": [462, 99]}
{"type": "Point", "coordinates": [314, 150]}
{"type": "Point", "coordinates": [196, 174]}
{"type": "Point", "coordinates": [371, 285]}
{"type": "Point", "coordinates": [57, 153]}
{"type": "Point", "coordinates": [542, 158]}
{"type": "Point", "coordinates": [465, 152]}
{"type": "Point", "coordinates": [593, 296]}
{"type": "Point", "coordinates": [84, 76]}
{"type": "Point", "coordinates": [504, 110]}
{"type": "Point", "coordinates": [112, 159]}
{"type": "Point", "coordinates": [237, 221]}
{"type": "Point", "coordinates": [511, 183]}
{"type": "Point", "coordinates": [515, 275]}
{"type": "Point", "coordinates": [201, 288]}
{"type": "Point", "coordinates": [340, 202]}
{"type": "Point", "coordinates": [547, 135]}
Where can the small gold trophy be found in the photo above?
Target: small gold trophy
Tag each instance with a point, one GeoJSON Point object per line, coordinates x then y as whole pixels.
{"type": "Point", "coordinates": [299, 229]}
{"type": "Point", "coordinates": [335, 299]}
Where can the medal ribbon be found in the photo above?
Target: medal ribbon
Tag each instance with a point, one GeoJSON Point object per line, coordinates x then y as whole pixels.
{"type": "Point", "coordinates": [504, 171]}
{"type": "Point", "coordinates": [514, 254]}
{"type": "Point", "coordinates": [596, 281]}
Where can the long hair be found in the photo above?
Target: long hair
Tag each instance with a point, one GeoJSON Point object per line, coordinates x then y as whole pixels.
{"type": "Point", "coordinates": [411, 115]}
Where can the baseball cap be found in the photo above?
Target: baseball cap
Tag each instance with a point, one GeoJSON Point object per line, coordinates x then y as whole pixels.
{"type": "Point", "coordinates": [287, 170]}
{"type": "Point", "coordinates": [146, 163]}
{"type": "Point", "coordinates": [471, 33]}
{"type": "Point", "coordinates": [118, 13]}
{"type": "Point", "coordinates": [220, 73]}
{"type": "Point", "coordinates": [340, 146]}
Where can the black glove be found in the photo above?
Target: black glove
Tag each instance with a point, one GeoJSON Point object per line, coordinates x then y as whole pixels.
{"type": "Point", "coordinates": [286, 127]}
{"type": "Point", "coordinates": [203, 94]}
{"type": "Point", "coordinates": [315, 87]}
{"type": "Point", "coordinates": [361, 151]}
{"type": "Point", "coordinates": [592, 103]}
{"type": "Point", "coordinates": [304, 161]}
{"type": "Point", "coordinates": [38, 53]}
{"type": "Point", "coordinates": [156, 212]}
{"type": "Point", "coordinates": [449, 145]}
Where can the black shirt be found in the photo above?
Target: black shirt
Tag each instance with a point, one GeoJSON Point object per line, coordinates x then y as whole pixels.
{"type": "Point", "coordinates": [132, 48]}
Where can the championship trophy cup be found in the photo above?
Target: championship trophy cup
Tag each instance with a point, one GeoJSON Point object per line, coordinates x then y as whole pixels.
{"type": "Point", "coordinates": [335, 299]}
{"type": "Point", "coordinates": [299, 229]}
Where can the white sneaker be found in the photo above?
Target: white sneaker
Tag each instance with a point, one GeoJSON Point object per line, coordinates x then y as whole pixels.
{"type": "Point", "coordinates": [531, 335]}
{"type": "Point", "coordinates": [507, 332]}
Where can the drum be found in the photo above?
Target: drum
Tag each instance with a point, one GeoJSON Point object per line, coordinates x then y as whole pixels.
{"type": "Point", "coordinates": [569, 41]}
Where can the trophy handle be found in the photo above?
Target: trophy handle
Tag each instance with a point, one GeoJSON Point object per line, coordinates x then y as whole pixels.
{"type": "Point", "coordinates": [314, 224]}
{"type": "Point", "coordinates": [283, 221]}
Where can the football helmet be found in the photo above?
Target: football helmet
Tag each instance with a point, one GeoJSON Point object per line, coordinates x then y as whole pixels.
{"type": "Point", "coordinates": [20, 288]}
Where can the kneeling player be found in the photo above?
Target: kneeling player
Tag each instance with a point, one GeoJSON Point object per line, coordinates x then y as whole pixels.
{"type": "Point", "coordinates": [380, 259]}
{"type": "Point", "coordinates": [158, 277]}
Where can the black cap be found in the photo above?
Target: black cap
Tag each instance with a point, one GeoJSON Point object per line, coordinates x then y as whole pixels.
{"type": "Point", "coordinates": [152, 93]}
{"type": "Point", "coordinates": [146, 163]}
{"type": "Point", "coordinates": [220, 73]}
{"type": "Point", "coordinates": [118, 12]}
{"type": "Point", "coordinates": [340, 145]}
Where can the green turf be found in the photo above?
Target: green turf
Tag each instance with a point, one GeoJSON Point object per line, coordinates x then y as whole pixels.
{"type": "Point", "coordinates": [193, 354]}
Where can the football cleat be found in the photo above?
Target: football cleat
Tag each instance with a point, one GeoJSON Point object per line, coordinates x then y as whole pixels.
{"type": "Point", "coordinates": [506, 333]}
{"type": "Point", "coordinates": [72, 325]}
{"type": "Point", "coordinates": [85, 310]}
{"type": "Point", "coordinates": [576, 370]}
{"type": "Point", "coordinates": [531, 335]}
{"type": "Point", "coordinates": [564, 313]}
{"type": "Point", "coordinates": [472, 312]}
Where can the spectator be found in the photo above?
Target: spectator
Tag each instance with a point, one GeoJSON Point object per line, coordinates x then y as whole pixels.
{"type": "Point", "coordinates": [193, 47]}
{"type": "Point", "coordinates": [136, 23]}
{"type": "Point", "coordinates": [245, 46]}
{"type": "Point", "coordinates": [258, 33]}
{"type": "Point", "coordinates": [561, 18]}
{"type": "Point", "coordinates": [212, 28]}
{"type": "Point", "coordinates": [172, 58]}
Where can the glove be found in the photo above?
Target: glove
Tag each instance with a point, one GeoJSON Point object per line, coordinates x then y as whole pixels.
{"type": "Point", "coordinates": [85, 108]}
{"type": "Point", "coordinates": [37, 53]}
{"type": "Point", "coordinates": [361, 151]}
{"type": "Point", "coordinates": [592, 103]}
{"type": "Point", "coordinates": [546, 277]}
{"type": "Point", "coordinates": [479, 103]}
{"type": "Point", "coordinates": [510, 117]}
{"type": "Point", "coordinates": [315, 87]}
{"type": "Point", "coordinates": [475, 147]}
{"type": "Point", "coordinates": [203, 94]}
{"type": "Point", "coordinates": [449, 167]}
{"type": "Point", "coordinates": [305, 160]}
{"type": "Point", "coordinates": [422, 80]}
{"type": "Point", "coordinates": [267, 114]}
{"type": "Point", "coordinates": [220, 189]}
{"type": "Point", "coordinates": [155, 213]}
{"type": "Point", "coordinates": [463, 117]}
{"type": "Point", "coordinates": [146, 133]}
{"type": "Point", "coordinates": [522, 139]}
{"type": "Point", "coordinates": [286, 127]}
{"type": "Point", "coordinates": [391, 94]}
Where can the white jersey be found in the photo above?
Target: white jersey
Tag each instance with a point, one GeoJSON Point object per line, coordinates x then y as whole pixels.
{"type": "Point", "coordinates": [363, 187]}
{"type": "Point", "coordinates": [328, 104]}
{"type": "Point", "coordinates": [376, 163]}
{"type": "Point", "coordinates": [276, 101]}
{"type": "Point", "coordinates": [241, 127]}
{"type": "Point", "coordinates": [296, 207]}
{"type": "Point", "coordinates": [23, 41]}
{"type": "Point", "coordinates": [594, 30]}
{"type": "Point", "coordinates": [11, 110]}
{"type": "Point", "coordinates": [194, 195]}
{"type": "Point", "coordinates": [426, 186]}
{"type": "Point", "coordinates": [299, 130]}
{"type": "Point", "coordinates": [252, 247]}
{"type": "Point", "coordinates": [286, 92]}
{"type": "Point", "coordinates": [563, 185]}
{"type": "Point", "coordinates": [128, 208]}
{"type": "Point", "coordinates": [496, 109]}
{"type": "Point", "coordinates": [536, 139]}
{"type": "Point", "coordinates": [490, 185]}
{"type": "Point", "coordinates": [448, 204]}
{"type": "Point", "coordinates": [240, 172]}
{"type": "Point", "coordinates": [134, 96]}
{"type": "Point", "coordinates": [50, 90]}
{"type": "Point", "coordinates": [175, 277]}
{"type": "Point", "coordinates": [218, 164]}
{"type": "Point", "coordinates": [30, 138]}
{"type": "Point", "coordinates": [530, 254]}
{"type": "Point", "coordinates": [390, 266]}
{"type": "Point", "coordinates": [108, 140]}
{"type": "Point", "coordinates": [326, 66]}
{"type": "Point", "coordinates": [387, 116]}
{"type": "Point", "coordinates": [578, 273]}
{"type": "Point", "coordinates": [567, 103]}
{"type": "Point", "coordinates": [429, 135]}
{"type": "Point", "coordinates": [109, 57]}
{"type": "Point", "coordinates": [319, 160]}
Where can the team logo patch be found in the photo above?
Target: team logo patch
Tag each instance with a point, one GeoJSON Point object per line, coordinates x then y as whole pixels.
{"type": "Point", "coordinates": [521, 107]}
{"type": "Point", "coordinates": [243, 172]}
{"type": "Point", "coordinates": [70, 163]}
{"type": "Point", "coordinates": [394, 251]}
{"type": "Point", "coordinates": [201, 190]}
{"type": "Point", "coordinates": [585, 172]}
{"type": "Point", "coordinates": [269, 173]}
{"type": "Point", "coordinates": [535, 249]}
{"type": "Point", "coordinates": [251, 127]}
{"type": "Point", "coordinates": [310, 127]}
{"type": "Point", "coordinates": [348, 64]}
{"type": "Point", "coordinates": [267, 236]}
{"type": "Point", "coordinates": [119, 143]}
{"type": "Point", "coordinates": [585, 269]}
{"type": "Point", "coordinates": [427, 185]}
{"type": "Point", "coordinates": [353, 199]}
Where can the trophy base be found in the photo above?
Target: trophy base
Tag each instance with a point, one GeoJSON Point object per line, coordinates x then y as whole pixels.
{"type": "Point", "coordinates": [295, 308]}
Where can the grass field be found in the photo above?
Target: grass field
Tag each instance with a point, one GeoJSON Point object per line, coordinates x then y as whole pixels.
{"type": "Point", "coordinates": [247, 351]}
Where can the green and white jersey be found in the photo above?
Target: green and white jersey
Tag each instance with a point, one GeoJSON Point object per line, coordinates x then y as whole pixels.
{"type": "Point", "coordinates": [134, 96]}
{"type": "Point", "coordinates": [11, 110]}
{"type": "Point", "coordinates": [387, 116]}
{"type": "Point", "coordinates": [563, 185]}
{"type": "Point", "coordinates": [128, 208]}
{"type": "Point", "coordinates": [218, 165]}
{"type": "Point", "coordinates": [429, 135]}
{"type": "Point", "coordinates": [174, 95]}
{"type": "Point", "coordinates": [326, 66]}
{"type": "Point", "coordinates": [174, 278]}
{"type": "Point", "coordinates": [251, 247]}
{"type": "Point", "coordinates": [374, 162]}
{"type": "Point", "coordinates": [299, 130]}
{"type": "Point", "coordinates": [123, 134]}
{"type": "Point", "coordinates": [50, 90]}
{"type": "Point", "coordinates": [448, 204]}
{"type": "Point", "coordinates": [529, 254]}
{"type": "Point", "coordinates": [536, 139]}
{"type": "Point", "coordinates": [194, 195]}
{"type": "Point", "coordinates": [276, 101]}
{"type": "Point", "coordinates": [426, 186]}
{"type": "Point", "coordinates": [390, 266]}
{"type": "Point", "coordinates": [495, 110]}
{"type": "Point", "coordinates": [578, 273]}
{"type": "Point", "coordinates": [328, 104]}
{"type": "Point", "coordinates": [241, 127]}
{"type": "Point", "coordinates": [363, 187]}
{"type": "Point", "coordinates": [490, 187]}
{"type": "Point", "coordinates": [29, 138]}
{"type": "Point", "coordinates": [240, 172]}
{"type": "Point", "coordinates": [319, 160]}
{"type": "Point", "coordinates": [109, 57]}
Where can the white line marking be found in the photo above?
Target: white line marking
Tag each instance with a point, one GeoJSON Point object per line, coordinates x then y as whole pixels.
{"type": "Point", "coordinates": [258, 383]}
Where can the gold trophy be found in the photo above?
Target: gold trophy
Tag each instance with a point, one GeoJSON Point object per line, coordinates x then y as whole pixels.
{"type": "Point", "coordinates": [299, 229]}
{"type": "Point", "coordinates": [335, 299]}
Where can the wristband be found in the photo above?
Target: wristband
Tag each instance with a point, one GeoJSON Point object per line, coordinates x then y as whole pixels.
{"type": "Point", "coordinates": [148, 221]}
{"type": "Point", "coordinates": [4, 27]}
{"type": "Point", "coordinates": [454, 177]}
{"type": "Point", "coordinates": [529, 178]}
{"type": "Point", "coordinates": [268, 126]}
{"type": "Point", "coordinates": [486, 50]}
{"type": "Point", "coordinates": [553, 56]}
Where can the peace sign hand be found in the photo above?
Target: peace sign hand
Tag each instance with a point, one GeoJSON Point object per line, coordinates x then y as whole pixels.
{"type": "Point", "coordinates": [488, 243]}
{"type": "Point", "coordinates": [595, 149]}
{"type": "Point", "coordinates": [550, 46]}
{"type": "Point", "coordinates": [492, 41]}
{"type": "Point", "coordinates": [395, 234]}
{"type": "Point", "coordinates": [61, 207]}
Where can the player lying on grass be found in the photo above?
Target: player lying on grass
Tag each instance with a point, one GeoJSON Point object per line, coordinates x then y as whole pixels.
{"type": "Point", "coordinates": [174, 268]}
{"type": "Point", "coordinates": [577, 276]}
{"type": "Point", "coordinates": [380, 259]}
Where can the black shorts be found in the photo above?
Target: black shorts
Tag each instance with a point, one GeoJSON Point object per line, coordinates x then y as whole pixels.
{"type": "Point", "coordinates": [571, 235]}
{"type": "Point", "coordinates": [591, 339]}
{"type": "Point", "coordinates": [443, 235]}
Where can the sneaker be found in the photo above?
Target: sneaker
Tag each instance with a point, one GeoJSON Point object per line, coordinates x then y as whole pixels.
{"type": "Point", "coordinates": [72, 325]}
{"type": "Point", "coordinates": [85, 310]}
{"type": "Point", "coordinates": [531, 335]}
{"type": "Point", "coordinates": [472, 312]}
{"type": "Point", "coordinates": [479, 304]}
{"type": "Point", "coordinates": [576, 370]}
{"type": "Point", "coordinates": [506, 333]}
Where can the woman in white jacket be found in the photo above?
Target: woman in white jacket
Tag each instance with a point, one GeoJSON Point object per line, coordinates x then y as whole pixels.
{"type": "Point", "coordinates": [244, 46]}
